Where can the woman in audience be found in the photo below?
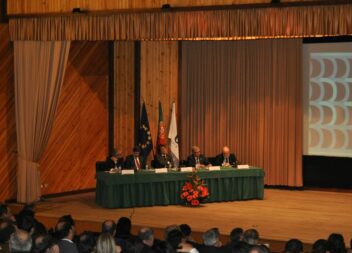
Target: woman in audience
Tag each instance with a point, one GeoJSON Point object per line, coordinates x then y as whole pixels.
{"type": "Point", "coordinates": [336, 244]}
{"type": "Point", "coordinates": [294, 246]}
{"type": "Point", "coordinates": [106, 244]}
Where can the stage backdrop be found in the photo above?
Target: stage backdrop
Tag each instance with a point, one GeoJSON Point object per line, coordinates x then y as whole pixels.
{"type": "Point", "coordinates": [245, 94]}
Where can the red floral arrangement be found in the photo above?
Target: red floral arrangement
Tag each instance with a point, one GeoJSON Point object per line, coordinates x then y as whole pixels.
{"type": "Point", "coordinates": [194, 191]}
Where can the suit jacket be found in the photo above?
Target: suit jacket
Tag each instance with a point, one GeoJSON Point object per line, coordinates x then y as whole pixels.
{"type": "Point", "coordinates": [130, 164]}
{"type": "Point", "coordinates": [161, 161]}
{"type": "Point", "coordinates": [110, 163]}
{"type": "Point", "coordinates": [220, 159]}
{"type": "Point", "coordinates": [191, 160]}
{"type": "Point", "coordinates": [67, 247]}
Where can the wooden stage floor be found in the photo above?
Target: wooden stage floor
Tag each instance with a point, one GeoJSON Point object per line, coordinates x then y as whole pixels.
{"type": "Point", "coordinates": [282, 215]}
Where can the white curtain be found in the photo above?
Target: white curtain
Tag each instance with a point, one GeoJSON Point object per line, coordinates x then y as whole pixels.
{"type": "Point", "coordinates": [39, 74]}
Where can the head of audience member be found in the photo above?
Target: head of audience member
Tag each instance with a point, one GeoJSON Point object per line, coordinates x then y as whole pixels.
{"type": "Point", "coordinates": [259, 249]}
{"type": "Point", "coordinates": [27, 223]}
{"type": "Point", "coordinates": [109, 226]}
{"type": "Point", "coordinates": [186, 231]}
{"type": "Point", "coordinates": [226, 151]}
{"type": "Point", "coordinates": [196, 151]}
{"type": "Point", "coordinates": [147, 236]}
{"type": "Point", "coordinates": [294, 246]}
{"type": "Point", "coordinates": [123, 228]}
{"type": "Point", "coordinates": [240, 247]}
{"type": "Point", "coordinates": [136, 151]}
{"type": "Point", "coordinates": [251, 236]}
{"type": "Point", "coordinates": [236, 235]}
{"type": "Point", "coordinates": [320, 246]}
{"type": "Point", "coordinates": [65, 230]}
{"type": "Point", "coordinates": [174, 238]}
{"type": "Point", "coordinates": [134, 245]}
{"type": "Point", "coordinates": [20, 241]}
{"type": "Point", "coordinates": [44, 243]}
{"type": "Point", "coordinates": [7, 228]}
{"type": "Point", "coordinates": [211, 237]}
{"type": "Point", "coordinates": [163, 150]}
{"type": "Point", "coordinates": [106, 244]}
{"type": "Point", "coordinates": [86, 243]}
{"type": "Point", "coordinates": [169, 228]}
{"type": "Point", "coordinates": [5, 213]}
{"type": "Point", "coordinates": [336, 243]}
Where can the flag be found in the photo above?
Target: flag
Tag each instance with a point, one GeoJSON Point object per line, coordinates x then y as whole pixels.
{"type": "Point", "coordinates": [144, 137]}
{"type": "Point", "coordinates": [161, 128]}
{"type": "Point", "coordinates": [173, 137]}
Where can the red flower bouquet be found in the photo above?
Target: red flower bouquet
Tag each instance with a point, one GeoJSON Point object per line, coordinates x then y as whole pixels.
{"type": "Point", "coordinates": [194, 191]}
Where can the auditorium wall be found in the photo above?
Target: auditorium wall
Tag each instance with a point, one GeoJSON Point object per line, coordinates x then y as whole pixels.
{"type": "Point", "coordinates": [80, 133]}
{"type": "Point", "coordinates": [7, 119]}
{"type": "Point", "coordinates": [158, 81]}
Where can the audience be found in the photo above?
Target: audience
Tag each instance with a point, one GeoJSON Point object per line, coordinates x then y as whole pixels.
{"type": "Point", "coordinates": [24, 234]}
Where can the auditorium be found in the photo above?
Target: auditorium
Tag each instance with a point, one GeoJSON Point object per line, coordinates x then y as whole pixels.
{"type": "Point", "coordinates": [176, 126]}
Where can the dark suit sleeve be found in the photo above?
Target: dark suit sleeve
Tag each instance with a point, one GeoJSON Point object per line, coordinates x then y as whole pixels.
{"type": "Point", "coordinates": [219, 159]}
{"type": "Point", "coordinates": [190, 161]}
{"type": "Point", "coordinates": [128, 163]}
{"type": "Point", "coordinates": [233, 159]}
{"type": "Point", "coordinates": [205, 160]}
{"type": "Point", "coordinates": [158, 161]}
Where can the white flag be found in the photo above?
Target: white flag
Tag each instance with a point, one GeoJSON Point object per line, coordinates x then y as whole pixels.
{"type": "Point", "coordinates": [173, 137]}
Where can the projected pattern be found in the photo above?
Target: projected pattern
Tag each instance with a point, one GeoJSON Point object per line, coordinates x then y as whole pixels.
{"type": "Point", "coordinates": [330, 104]}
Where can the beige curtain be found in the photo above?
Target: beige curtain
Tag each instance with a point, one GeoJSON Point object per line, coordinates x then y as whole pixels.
{"type": "Point", "coordinates": [39, 73]}
{"type": "Point", "coordinates": [245, 94]}
{"type": "Point", "coordinates": [233, 24]}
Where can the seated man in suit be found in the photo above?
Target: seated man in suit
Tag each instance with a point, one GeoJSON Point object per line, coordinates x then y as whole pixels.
{"type": "Point", "coordinates": [135, 161]}
{"type": "Point", "coordinates": [226, 158]}
{"type": "Point", "coordinates": [197, 159]}
{"type": "Point", "coordinates": [163, 159]}
{"type": "Point", "coordinates": [115, 160]}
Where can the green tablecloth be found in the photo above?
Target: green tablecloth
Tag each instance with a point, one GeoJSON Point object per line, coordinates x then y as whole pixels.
{"type": "Point", "coordinates": [146, 188]}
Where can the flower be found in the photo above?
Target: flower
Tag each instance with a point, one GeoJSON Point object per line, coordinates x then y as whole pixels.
{"type": "Point", "coordinates": [194, 191]}
{"type": "Point", "coordinates": [189, 198]}
{"type": "Point", "coordinates": [195, 202]}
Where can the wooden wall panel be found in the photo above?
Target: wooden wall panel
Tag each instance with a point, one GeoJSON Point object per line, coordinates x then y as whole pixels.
{"type": "Point", "coordinates": [66, 6]}
{"type": "Point", "coordinates": [124, 96]}
{"type": "Point", "coordinates": [80, 132]}
{"type": "Point", "coordinates": [159, 80]}
{"type": "Point", "coordinates": [8, 147]}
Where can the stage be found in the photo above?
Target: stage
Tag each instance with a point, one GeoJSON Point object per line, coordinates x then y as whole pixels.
{"type": "Point", "coordinates": [283, 214]}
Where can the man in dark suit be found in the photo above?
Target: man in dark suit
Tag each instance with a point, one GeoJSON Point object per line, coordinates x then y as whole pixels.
{"type": "Point", "coordinates": [226, 159]}
{"type": "Point", "coordinates": [163, 159]}
{"type": "Point", "coordinates": [115, 160]}
{"type": "Point", "coordinates": [65, 232]}
{"type": "Point", "coordinates": [135, 161]}
{"type": "Point", "coordinates": [197, 159]}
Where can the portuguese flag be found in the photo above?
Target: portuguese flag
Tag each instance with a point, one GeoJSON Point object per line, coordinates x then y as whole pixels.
{"type": "Point", "coordinates": [161, 128]}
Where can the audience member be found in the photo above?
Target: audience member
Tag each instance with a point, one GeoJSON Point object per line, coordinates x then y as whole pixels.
{"type": "Point", "coordinates": [106, 244]}
{"type": "Point", "coordinates": [109, 226]}
{"type": "Point", "coordinates": [336, 243]}
{"type": "Point", "coordinates": [251, 236]}
{"type": "Point", "coordinates": [20, 242]}
{"type": "Point", "coordinates": [86, 242]}
{"type": "Point", "coordinates": [44, 243]}
{"type": "Point", "coordinates": [320, 246]}
{"type": "Point", "coordinates": [65, 232]}
{"type": "Point", "coordinates": [294, 246]}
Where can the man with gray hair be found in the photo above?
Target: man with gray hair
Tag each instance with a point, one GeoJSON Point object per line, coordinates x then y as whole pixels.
{"type": "Point", "coordinates": [251, 236]}
{"type": "Point", "coordinates": [147, 236]}
{"type": "Point", "coordinates": [20, 242]}
{"type": "Point", "coordinates": [212, 237]}
{"type": "Point", "coordinates": [197, 159]}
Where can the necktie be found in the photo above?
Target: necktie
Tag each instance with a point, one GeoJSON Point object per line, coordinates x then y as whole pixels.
{"type": "Point", "coordinates": [138, 164]}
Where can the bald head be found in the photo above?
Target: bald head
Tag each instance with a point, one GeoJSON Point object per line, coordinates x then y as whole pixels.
{"type": "Point", "coordinates": [20, 241]}
{"type": "Point", "coordinates": [196, 151]}
{"type": "Point", "coordinates": [226, 151]}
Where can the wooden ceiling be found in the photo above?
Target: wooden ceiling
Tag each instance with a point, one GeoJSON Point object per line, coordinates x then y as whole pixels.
{"type": "Point", "coordinates": [40, 7]}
